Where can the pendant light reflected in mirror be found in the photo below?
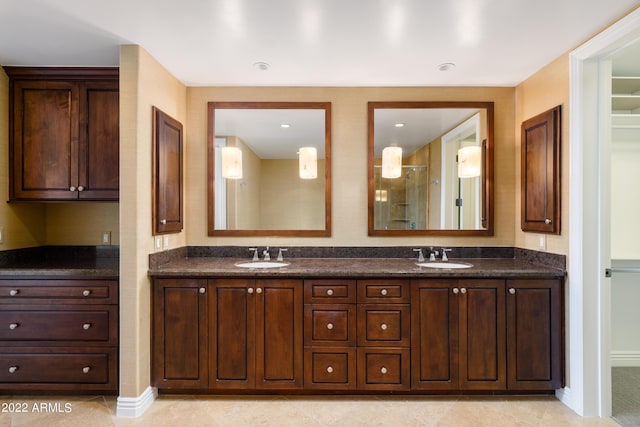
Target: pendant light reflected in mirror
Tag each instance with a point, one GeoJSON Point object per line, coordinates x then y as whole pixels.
{"type": "Point", "coordinates": [392, 162]}
{"type": "Point", "coordinates": [231, 162]}
{"type": "Point", "coordinates": [308, 163]}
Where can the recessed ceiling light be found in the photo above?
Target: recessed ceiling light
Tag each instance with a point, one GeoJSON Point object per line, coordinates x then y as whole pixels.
{"type": "Point", "coordinates": [285, 125]}
{"type": "Point", "coordinates": [262, 66]}
{"type": "Point", "coordinates": [399, 125]}
{"type": "Point", "coordinates": [446, 66]}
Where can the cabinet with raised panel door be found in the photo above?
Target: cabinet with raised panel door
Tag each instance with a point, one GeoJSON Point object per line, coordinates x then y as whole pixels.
{"type": "Point", "coordinates": [64, 133]}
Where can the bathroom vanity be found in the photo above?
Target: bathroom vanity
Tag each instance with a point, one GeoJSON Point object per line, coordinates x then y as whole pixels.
{"type": "Point", "coordinates": [357, 325]}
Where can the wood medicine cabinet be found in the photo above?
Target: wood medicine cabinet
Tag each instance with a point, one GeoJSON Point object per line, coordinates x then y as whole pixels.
{"type": "Point", "coordinates": [541, 172]}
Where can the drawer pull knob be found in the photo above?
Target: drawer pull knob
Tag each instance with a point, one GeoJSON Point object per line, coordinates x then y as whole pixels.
{"type": "Point", "coordinates": [384, 326]}
{"type": "Point", "coordinates": [258, 290]}
{"type": "Point", "coordinates": [383, 370]}
{"type": "Point", "coordinates": [202, 290]}
{"type": "Point", "coordinates": [72, 188]}
{"type": "Point", "coordinates": [12, 369]}
{"type": "Point", "coordinates": [14, 292]}
{"type": "Point", "coordinates": [329, 326]}
{"type": "Point", "coordinates": [456, 291]}
{"type": "Point", "coordinates": [329, 292]}
{"type": "Point", "coordinates": [80, 188]}
{"type": "Point", "coordinates": [512, 291]}
{"type": "Point", "coordinates": [330, 369]}
{"type": "Point", "coordinates": [250, 290]}
{"type": "Point", "coordinates": [13, 326]}
{"type": "Point", "coordinates": [463, 290]}
{"type": "Point", "coordinates": [384, 292]}
{"type": "Point", "coordinates": [86, 326]}
{"type": "Point", "coordinates": [86, 369]}
{"type": "Point", "coordinates": [86, 293]}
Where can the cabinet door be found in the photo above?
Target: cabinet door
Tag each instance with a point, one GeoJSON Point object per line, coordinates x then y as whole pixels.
{"type": "Point", "coordinates": [180, 334]}
{"type": "Point", "coordinates": [232, 327]}
{"type": "Point", "coordinates": [44, 140]}
{"type": "Point", "coordinates": [535, 334]}
{"type": "Point", "coordinates": [434, 330]}
{"type": "Point", "coordinates": [99, 147]}
{"type": "Point", "coordinates": [279, 349]}
{"type": "Point", "coordinates": [482, 335]}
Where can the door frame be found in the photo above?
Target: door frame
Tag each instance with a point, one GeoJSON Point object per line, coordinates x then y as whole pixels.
{"type": "Point", "coordinates": [589, 390]}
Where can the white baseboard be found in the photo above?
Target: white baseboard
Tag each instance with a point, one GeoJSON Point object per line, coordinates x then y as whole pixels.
{"type": "Point", "coordinates": [625, 358]}
{"type": "Point", "coordinates": [135, 406]}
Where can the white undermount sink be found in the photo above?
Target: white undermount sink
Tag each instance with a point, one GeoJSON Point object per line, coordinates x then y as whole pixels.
{"type": "Point", "coordinates": [262, 264]}
{"type": "Point", "coordinates": [444, 264]}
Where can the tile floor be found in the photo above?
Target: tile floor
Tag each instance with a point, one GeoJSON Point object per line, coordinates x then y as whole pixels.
{"type": "Point", "coordinates": [185, 411]}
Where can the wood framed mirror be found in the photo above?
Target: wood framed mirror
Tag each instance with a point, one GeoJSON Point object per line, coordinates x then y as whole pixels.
{"type": "Point", "coordinates": [442, 182]}
{"type": "Point", "coordinates": [269, 169]}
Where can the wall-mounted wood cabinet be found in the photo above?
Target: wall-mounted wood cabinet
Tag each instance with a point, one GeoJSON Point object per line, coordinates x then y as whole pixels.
{"type": "Point", "coordinates": [64, 133]}
{"type": "Point", "coordinates": [541, 190]}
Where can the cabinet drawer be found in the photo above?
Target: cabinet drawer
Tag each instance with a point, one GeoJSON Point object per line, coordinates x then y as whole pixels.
{"type": "Point", "coordinates": [384, 291]}
{"type": "Point", "coordinates": [64, 323]}
{"type": "Point", "coordinates": [46, 367]}
{"type": "Point", "coordinates": [330, 291]}
{"type": "Point", "coordinates": [330, 368]}
{"type": "Point", "coordinates": [384, 325]}
{"type": "Point", "coordinates": [383, 368]}
{"type": "Point", "coordinates": [333, 324]}
{"type": "Point", "coordinates": [58, 291]}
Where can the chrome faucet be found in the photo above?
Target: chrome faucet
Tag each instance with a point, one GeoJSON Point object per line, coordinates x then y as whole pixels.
{"type": "Point", "coordinates": [265, 254]}
{"type": "Point", "coordinates": [255, 254]}
{"type": "Point", "coordinates": [420, 255]}
{"type": "Point", "coordinates": [433, 254]}
{"type": "Point", "coordinates": [280, 257]}
{"type": "Point", "coordinates": [444, 254]}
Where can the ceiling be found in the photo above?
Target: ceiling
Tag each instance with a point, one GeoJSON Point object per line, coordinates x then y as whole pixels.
{"type": "Point", "coordinates": [309, 42]}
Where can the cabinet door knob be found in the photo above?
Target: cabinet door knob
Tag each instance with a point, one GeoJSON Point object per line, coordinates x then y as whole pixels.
{"type": "Point", "coordinates": [258, 290]}
{"type": "Point", "coordinates": [329, 326]}
{"type": "Point", "coordinates": [384, 326]}
{"type": "Point", "coordinates": [86, 369]}
{"type": "Point", "coordinates": [512, 291]}
{"type": "Point", "coordinates": [163, 221]}
{"type": "Point", "coordinates": [12, 369]}
{"type": "Point", "coordinates": [463, 290]}
{"type": "Point", "coordinates": [202, 290]}
{"type": "Point", "coordinates": [547, 221]}
{"type": "Point", "coordinates": [86, 326]}
{"type": "Point", "coordinates": [250, 290]}
{"type": "Point", "coordinates": [329, 292]}
{"type": "Point", "coordinates": [384, 291]}
{"type": "Point", "coordinates": [14, 292]}
{"type": "Point", "coordinates": [330, 369]}
{"type": "Point", "coordinates": [13, 326]}
{"type": "Point", "coordinates": [456, 291]}
{"type": "Point", "coordinates": [72, 188]}
{"type": "Point", "coordinates": [383, 370]}
{"type": "Point", "coordinates": [86, 292]}
{"type": "Point", "coordinates": [80, 188]}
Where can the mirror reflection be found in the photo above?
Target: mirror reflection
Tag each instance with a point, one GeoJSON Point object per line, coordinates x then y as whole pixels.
{"type": "Point", "coordinates": [430, 168]}
{"type": "Point", "coordinates": [269, 168]}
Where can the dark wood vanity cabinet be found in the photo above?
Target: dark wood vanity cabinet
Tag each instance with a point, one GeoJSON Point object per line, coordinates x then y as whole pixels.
{"type": "Point", "coordinates": [458, 335]}
{"type": "Point", "coordinates": [58, 335]}
{"type": "Point", "coordinates": [64, 133]}
{"type": "Point", "coordinates": [359, 335]}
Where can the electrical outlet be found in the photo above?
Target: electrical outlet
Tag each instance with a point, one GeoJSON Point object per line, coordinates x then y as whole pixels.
{"type": "Point", "coordinates": [542, 243]}
{"type": "Point", "coordinates": [158, 242]}
{"type": "Point", "coordinates": [1, 235]}
{"type": "Point", "coordinates": [106, 237]}
{"type": "Point", "coordinates": [165, 242]}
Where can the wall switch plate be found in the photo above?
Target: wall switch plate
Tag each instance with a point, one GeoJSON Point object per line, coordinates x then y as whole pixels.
{"type": "Point", "coordinates": [1, 235]}
{"type": "Point", "coordinates": [165, 242]}
{"type": "Point", "coordinates": [106, 237]}
{"type": "Point", "coordinates": [542, 243]}
{"type": "Point", "coordinates": [158, 242]}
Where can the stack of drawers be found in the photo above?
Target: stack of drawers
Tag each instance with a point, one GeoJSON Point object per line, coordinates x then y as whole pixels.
{"type": "Point", "coordinates": [357, 334]}
{"type": "Point", "coordinates": [59, 335]}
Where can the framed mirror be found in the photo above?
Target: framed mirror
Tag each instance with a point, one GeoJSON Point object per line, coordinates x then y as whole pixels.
{"type": "Point", "coordinates": [430, 168]}
{"type": "Point", "coordinates": [269, 169]}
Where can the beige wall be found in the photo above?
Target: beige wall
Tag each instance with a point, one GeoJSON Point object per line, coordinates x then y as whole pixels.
{"type": "Point", "coordinates": [349, 160]}
{"type": "Point", "coordinates": [143, 83]}
{"type": "Point", "coordinates": [542, 91]}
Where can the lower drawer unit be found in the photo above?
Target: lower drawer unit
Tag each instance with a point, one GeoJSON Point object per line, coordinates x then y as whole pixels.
{"type": "Point", "coordinates": [65, 368]}
{"type": "Point", "coordinates": [330, 368]}
{"type": "Point", "coordinates": [384, 368]}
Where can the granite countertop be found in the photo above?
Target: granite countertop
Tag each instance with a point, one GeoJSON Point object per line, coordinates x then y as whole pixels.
{"type": "Point", "coordinates": [61, 261]}
{"type": "Point", "coordinates": [352, 267]}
